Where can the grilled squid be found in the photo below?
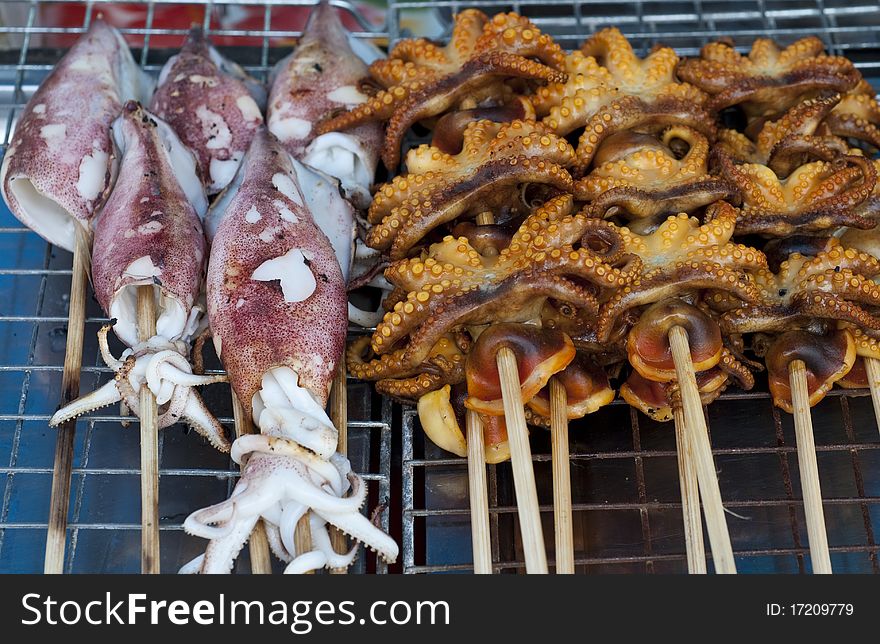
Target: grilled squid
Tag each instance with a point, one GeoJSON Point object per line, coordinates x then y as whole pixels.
{"type": "Point", "coordinates": [277, 305]}
{"type": "Point", "coordinates": [213, 106]}
{"type": "Point", "coordinates": [59, 166]}
{"type": "Point", "coordinates": [150, 233]}
{"type": "Point", "coordinates": [318, 79]}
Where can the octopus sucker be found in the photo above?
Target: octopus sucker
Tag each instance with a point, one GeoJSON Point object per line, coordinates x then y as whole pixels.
{"type": "Point", "coordinates": [212, 105]}
{"type": "Point", "coordinates": [829, 282]}
{"type": "Point", "coordinates": [421, 80]}
{"type": "Point", "coordinates": [150, 234]}
{"type": "Point", "coordinates": [320, 77]}
{"type": "Point", "coordinates": [633, 113]}
{"type": "Point", "coordinates": [266, 277]}
{"type": "Point", "coordinates": [555, 255]}
{"type": "Point", "coordinates": [779, 141]}
{"type": "Point", "coordinates": [680, 256]}
{"type": "Point", "coordinates": [606, 72]}
{"type": "Point", "coordinates": [58, 168]}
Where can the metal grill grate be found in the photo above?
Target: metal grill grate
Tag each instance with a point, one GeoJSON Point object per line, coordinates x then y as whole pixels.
{"type": "Point", "coordinates": [104, 517]}
{"type": "Point", "coordinates": [627, 510]}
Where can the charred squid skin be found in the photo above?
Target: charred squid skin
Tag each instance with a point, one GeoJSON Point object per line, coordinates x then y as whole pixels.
{"type": "Point", "coordinates": [58, 167]}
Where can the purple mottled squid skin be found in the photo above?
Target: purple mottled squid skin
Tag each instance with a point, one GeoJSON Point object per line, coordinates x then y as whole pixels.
{"type": "Point", "coordinates": [147, 215]}
{"type": "Point", "coordinates": [62, 141]}
{"type": "Point", "coordinates": [320, 77]}
{"type": "Point", "coordinates": [211, 110]}
{"type": "Point", "coordinates": [254, 327]}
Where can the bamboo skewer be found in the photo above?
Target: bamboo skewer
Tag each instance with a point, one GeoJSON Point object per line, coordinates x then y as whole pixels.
{"type": "Point", "coordinates": [521, 460]}
{"type": "Point", "coordinates": [561, 479]}
{"type": "Point", "coordinates": [149, 425]}
{"type": "Point", "coordinates": [690, 498]}
{"type": "Point", "coordinates": [809, 471]}
{"type": "Point", "coordinates": [339, 416]}
{"type": "Point", "coordinates": [258, 544]}
{"type": "Point", "coordinates": [56, 535]}
{"type": "Point", "coordinates": [479, 495]}
{"type": "Point", "coordinates": [698, 444]}
{"type": "Point", "coordinates": [478, 489]}
{"type": "Point", "coordinates": [872, 371]}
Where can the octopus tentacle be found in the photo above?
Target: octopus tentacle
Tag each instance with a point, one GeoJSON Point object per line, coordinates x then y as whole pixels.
{"type": "Point", "coordinates": [437, 97]}
{"type": "Point", "coordinates": [403, 228]}
{"type": "Point", "coordinates": [496, 160]}
{"type": "Point", "coordinates": [732, 366]}
{"type": "Point", "coordinates": [639, 175]}
{"type": "Point", "coordinates": [829, 306]}
{"type": "Point", "coordinates": [632, 112]}
{"type": "Point", "coordinates": [769, 76]}
{"type": "Point", "coordinates": [514, 299]}
{"type": "Point", "coordinates": [816, 196]}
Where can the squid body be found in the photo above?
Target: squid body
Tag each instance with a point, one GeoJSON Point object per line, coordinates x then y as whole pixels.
{"type": "Point", "coordinates": [150, 233]}
{"type": "Point", "coordinates": [213, 106]}
{"type": "Point", "coordinates": [277, 306]}
{"type": "Point", "coordinates": [322, 76]}
{"type": "Point", "coordinates": [60, 164]}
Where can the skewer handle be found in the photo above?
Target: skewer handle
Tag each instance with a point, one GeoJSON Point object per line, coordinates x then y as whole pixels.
{"type": "Point", "coordinates": [149, 426]}
{"type": "Point", "coordinates": [476, 453]}
{"type": "Point", "coordinates": [872, 370]}
{"type": "Point", "coordinates": [561, 479]}
{"type": "Point", "coordinates": [521, 460]}
{"type": "Point", "coordinates": [479, 495]}
{"type": "Point", "coordinates": [690, 498]}
{"type": "Point", "coordinates": [339, 416]}
{"type": "Point", "coordinates": [56, 535]}
{"type": "Point", "coordinates": [809, 470]}
{"type": "Point", "coordinates": [698, 442]}
{"type": "Point", "coordinates": [258, 544]}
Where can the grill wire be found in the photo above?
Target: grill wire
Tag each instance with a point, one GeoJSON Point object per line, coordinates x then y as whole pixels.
{"type": "Point", "coordinates": [627, 511]}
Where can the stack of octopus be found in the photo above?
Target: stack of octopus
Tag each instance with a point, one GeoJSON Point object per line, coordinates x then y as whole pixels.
{"type": "Point", "coordinates": [575, 206]}
{"type": "Point", "coordinates": [570, 206]}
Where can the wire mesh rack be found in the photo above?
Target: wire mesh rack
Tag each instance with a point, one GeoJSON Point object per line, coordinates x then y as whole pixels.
{"type": "Point", "coordinates": [624, 473]}
{"type": "Point", "coordinates": [626, 499]}
{"type": "Point", "coordinates": [104, 514]}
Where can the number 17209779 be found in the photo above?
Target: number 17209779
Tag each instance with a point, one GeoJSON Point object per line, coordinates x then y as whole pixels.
{"type": "Point", "coordinates": [809, 610]}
